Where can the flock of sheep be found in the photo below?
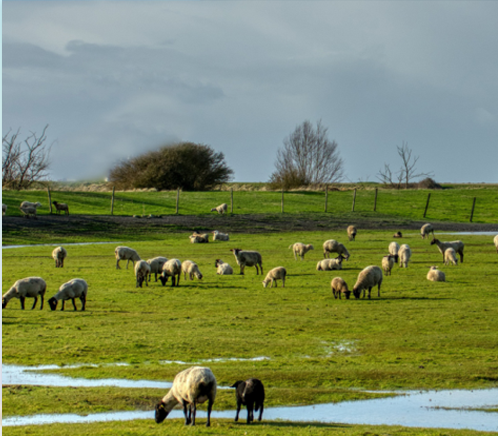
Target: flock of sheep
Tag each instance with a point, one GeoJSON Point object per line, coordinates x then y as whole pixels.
{"type": "Point", "coordinates": [29, 208]}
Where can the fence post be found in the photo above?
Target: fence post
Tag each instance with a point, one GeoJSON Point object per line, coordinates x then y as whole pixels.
{"type": "Point", "coordinates": [282, 202]}
{"type": "Point", "coordinates": [427, 204]}
{"type": "Point", "coordinates": [49, 200]}
{"type": "Point", "coordinates": [177, 199]}
{"type": "Point", "coordinates": [375, 201]}
{"type": "Point", "coordinates": [354, 198]}
{"type": "Point", "coordinates": [231, 200]}
{"type": "Point", "coordinates": [112, 200]}
{"type": "Point", "coordinates": [326, 197]}
{"type": "Point", "coordinates": [472, 212]}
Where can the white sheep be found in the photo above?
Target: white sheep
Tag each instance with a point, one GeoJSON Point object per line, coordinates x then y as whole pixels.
{"type": "Point", "coordinates": [25, 204]}
{"type": "Point", "coordinates": [142, 273]}
{"type": "Point", "coordinates": [248, 258]}
{"type": "Point", "coordinates": [59, 254]}
{"type": "Point", "coordinates": [31, 287]}
{"type": "Point", "coordinates": [192, 269]}
{"type": "Point", "coordinates": [404, 253]}
{"type": "Point", "coordinates": [198, 238]}
{"type": "Point", "coordinates": [330, 264]}
{"type": "Point", "coordinates": [388, 263]}
{"type": "Point", "coordinates": [75, 288]}
{"type": "Point", "coordinates": [223, 268]}
{"type": "Point", "coordinates": [29, 211]}
{"type": "Point", "coordinates": [156, 266]}
{"type": "Point", "coordinates": [426, 229]}
{"type": "Point", "coordinates": [332, 246]}
{"type": "Point", "coordinates": [61, 207]}
{"type": "Point", "coordinates": [190, 387]}
{"type": "Point", "coordinates": [495, 240]}
{"type": "Point", "coordinates": [221, 209]}
{"type": "Point", "coordinates": [450, 256]}
{"type": "Point", "coordinates": [351, 233]}
{"type": "Point", "coordinates": [300, 249]}
{"type": "Point", "coordinates": [339, 287]}
{"type": "Point", "coordinates": [275, 274]}
{"type": "Point", "coordinates": [434, 275]}
{"type": "Point", "coordinates": [172, 268]}
{"type": "Point", "coordinates": [370, 277]}
{"type": "Point", "coordinates": [443, 246]}
{"type": "Point", "coordinates": [4, 209]}
{"type": "Point", "coordinates": [218, 236]}
{"type": "Point", "coordinates": [393, 250]}
{"type": "Point", "coordinates": [125, 253]}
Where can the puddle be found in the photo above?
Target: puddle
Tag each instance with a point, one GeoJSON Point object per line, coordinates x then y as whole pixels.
{"type": "Point", "coordinates": [6, 247]}
{"type": "Point", "coordinates": [492, 233]}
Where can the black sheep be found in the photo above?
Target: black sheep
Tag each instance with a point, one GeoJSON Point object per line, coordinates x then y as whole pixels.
{"type": "Point", "coordinates": [250, 393]}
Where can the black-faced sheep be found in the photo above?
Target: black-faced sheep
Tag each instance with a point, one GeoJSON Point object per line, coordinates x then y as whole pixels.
{"type": "Point", "coordinates": [250, 393]}
{"type": "Point", "coordinates": [32, 287]}
{"type": "Point", "coordinates": [332, 246]}
{"type": "Point", "coordinates": [223, 268]}
{"type": "Point", "coordinates": [426, 229]}
{"type": "Point", "coordinates": [278, 273]}
{"type": "Point", "coordinates": [221, 209]}
{"type": "Point", "coordinates": [59, 254]}
{"type": "Point", "coordinates": [398, 235]}
{"type": "Point", "coordinates": [125, 253]}
{"type": "Point", "coordinates": [393, 250]}
{"type": "Point", "coordinates": [370, 277]}
{"type": "Point", "coordinates": [300, 249]}
{"type": "Point", "coordinates": [340, 287]}
{"type": "Point", "coordinates": [443, 246]}
{"type": "Point", "coordinates": [172, 268]}
{"type": "Point", "coordinates": [61, 207]}
{"type": "Point", "coordinates": [351, 233]}
{"type": "Point", "coordinates": [75, 288]}
{"type": "Point", "coordinates": [191, 269]}
{"type": "Point", "coordinates": [434, 275]}
{"type": "Point", "coordinates": [248, 258]}
{"type": "Point", "coordinates": [142, 273]}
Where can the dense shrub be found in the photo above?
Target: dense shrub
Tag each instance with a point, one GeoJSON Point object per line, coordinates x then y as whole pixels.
{"type": "Point", "coordinates": [429, 183]}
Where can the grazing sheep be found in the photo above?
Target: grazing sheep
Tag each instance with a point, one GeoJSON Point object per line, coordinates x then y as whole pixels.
{"type": "Point", "coordinates": [142, 273]}
{"type": "Point", "coordinates": [300, 249]}
{"type": "Point", "coordinates": [31, 287]}
{"type": "Point", "coordinates": [370, 277]}
{"type": "Point", "coordinates": [221, 209]}
{"type": "Point", "coordinates": [248, 258]}
{"type": "Point", "coordinates": [198, 238]}
{"type": "Point", "coordinates": [190, 387]}
{"type": "Point", "coordinates": [273, 275]}
{"type": "Point", "coordinates": [223, 268]}
{"type": "Point", "coordinates": [443, 246]}
{"type": "Point", "coordinates": [156, 266]}
{"type": "Point", "coordinates": [29, 211]}
{"type": "Point", "coordinates": [398, 235]}
{"type": "Point", "coordinates": [250, 393]}
{"type": "Point", "coordinates": [351, 233]}
{"type": "Point", "coordinates": [339, 287]}
{"type": "Point", "coordinates": [4, 209]}
{"type": "Point", "coordinates": [426, 229]}
{"type": "Point", "coordinates": [172, 268]}
{"type": "Point", "coordinates": [330, 264]}
{"type": "Point", "coordinates": [404, 253]}
{"type": "Point", "coordinates": [393, 250]}
{"type": "Point", "coordinates": [434, 275]}
{"type": "Point", "coordinates": [61, 207]}
{"type": "Point", "coordinates": [450, 256]}
{"type": "Point", "coordinates": [388, 263]}
{"type": "Point", "coordinates": [218, 236]}
{"type": "Point", "coordinates": [495, 240]}
{"type": "Point", "coordinates": [59, 254]}
{"type": "Point", "coordinates": [75, 288]}
{"type": "Point", "coordinates": [332, 246]}
{"type": "Point", "coordinates": [25, 204]}
{"type": "Point", "coordinates": [192, 269]}
{"type": "Point", "coordinates": [125, 253]}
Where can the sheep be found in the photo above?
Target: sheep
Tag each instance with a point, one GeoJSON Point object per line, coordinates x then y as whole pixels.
{"type": "Point", "coordinates": [426, 229]}
{"type": "Point", "coordinates": [29, 211]}
{"type": "Point", "coordinates": [218, 236]}
{"type": "Point", "coordinates": [450, 256]}
{"type": "Point", "coordinates": [275, 274]}
{"type": "Point", "coordinates": [223, 268]}
{"type": "Point", "coordinates": [142, 272]}
{"type": "Point", "coordinates": [59, 254]}
{"type": "Point", "coordinates": [125, 253]}
{"type": "Point", "coordinates": [250, 393]}
{"type": "Point", "coordinates": [300, 249]}
{"type": "Point", "coordinates": [192, 386]}
{"type": "Point", "coordinates": [434, 275]}
{"type": "Point", "coordinates": [370, 277]}
{"type": "Point", "coordinates": [156, 266]}
{"type": "Point", "coordinates": [221, 209]}
{"type": "Point", "coordinates": [330, 264]}
{"type": "Point", "coordinates": [31, 287]}
{"type": "Point", "coordinates": [75, 288]}
{"type": "Point", "coordinates": [59, 207]}
{"type": "Point", "coordinates": [393, 250]}
{"type": "Point", "coordinates": [388, 263]}
{"type": "Point", "coordinates": [398, 234]}
{"type": "Point", "coordinates": [495, 240]}
{"type": "Point", "coordinates": [404, 253]}
{"type": "Point", "coordinates": [443, 246]}
{"type": "Point", "coordinates": [192, 269]}
{"type": "Point", "coordinates": [339, 287]}
{"type": "Point", "coordinates": [4, 209]}
{"type": "Point", "coordinates": [248, 258]}
{"type": "Point", "coordinates": [172, 268]}
{"type": "Point", "coordinates": [198, 238]}
{"type": "Point", "coordinates": [351, 233]}
{"type": "Point", "coordinates": [25, 204]}
{"type": "Point", "coordinates": [332, 246]}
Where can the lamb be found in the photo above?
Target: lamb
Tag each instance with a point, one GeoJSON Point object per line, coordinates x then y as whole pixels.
{"type": "Point", "coordinates": [29, 211]}
{"type": "Point", "coordinates": [393, 250]}
{"type": "Point", "coordinates": [221, 209]}
{"type": "Point", "coordinates": [450, 256]}
{"type": "Point", "coordinates": [192, 269]}
{"type": "Point", "coordinates": [156, 266]}
{"type": "Point", "coordinates": [61, 207]}
{"type": "Point", "coordinates": [190, 387]}
{"type": "Point", "coordinates": [370, 277]}
{"type": "Point", "coordinates": [388, 263]}
{"type": "Point", "coordinates": [273, 275]}
{"type": "Point", "coordinates": [59, 254]}
{"type": "Point", "coordinates": [218, 236]}
{"type": "Point", "coordinates": [248, 258]}
{"type": "Point", "coordinates": [495, 240]}
{"type": "Point", "coordinates": [434, 275]}
{"type": "Point", "coordinates": [426, 229]}
{"type": "Point", "coordinates": [443, 246]}
{"type": "Point", "coordinates": [198, 238]}
{"type": "Point", "coordinates": [4, 209]}
{"type": "Point", "coordinates": [31, 287]}
{"type": "Point", "coordinates": [404, 253]}
{"type": "Point", "coordinates": [250, 393]}
{"type": "Point", "coordinates": [125, 253]}
{"type": "Point", "coordinates": [339, 287]}
{"type": "Point", "coordinates": [172, 268]}
{"type": "Point", "coordinates": [300, 249]}
{"type": "Point", "coordinates": [351, 233]}
{"type": "Point", "coordinates": [25, 204]}
{"type": "Point", "coordinates": [330, 264]}
{"type": "Point", "coordinates": [75, 288]}
{"type": "Point", "coordinates": [223, 268]}
{"type": "Point", "coordinates": [332, 246]}
{"type": "Point", "coordinates": [398, 234]}
{"type": "Point", "coordinates": [142, 272]}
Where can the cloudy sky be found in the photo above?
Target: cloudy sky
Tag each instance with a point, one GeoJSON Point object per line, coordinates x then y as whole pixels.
{"type": "Point", "coordinates": [116, 78]}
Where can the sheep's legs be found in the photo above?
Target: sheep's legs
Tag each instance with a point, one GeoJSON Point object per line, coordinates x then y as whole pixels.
{"type": "Point", "coordinates": [261, 412]}
{"type": "Point", "coordinates": [117, 264]}
{"type": "Point", "coordinates": [238, 411]}
{"type": "Point", "coordinates": [74, 303]}
{"type": "Point", "coordinates": [461, 256]}
{"type": "Point", "coordinates": [193, 410]}
{"type": "Point", "coordinates": [83, 302]}
{"type": "Point", "coordinates": [42, 299]}
{"type": "Point", "coordinates": [34, 304]}
{"type": "Point", "coordinates": [210, 407]}
{"type": "Point", "coordinates": [250, 414]}
{"type": "Point", "coordinates": [187, 416]}
{"type": "Point", "coordinates": [22, 302]}
{"type": "Point", "coordinates": [63, 303]}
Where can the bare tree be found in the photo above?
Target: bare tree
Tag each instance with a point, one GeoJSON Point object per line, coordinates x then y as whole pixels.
{"type": "Point", "coordinates": [308, 157]}
{"type": "Point", "coordinates": [24, 163]}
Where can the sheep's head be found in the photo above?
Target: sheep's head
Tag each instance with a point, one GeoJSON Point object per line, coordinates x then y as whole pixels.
{"type": "Point", "coordinates": [434, 241]}
{"type": "Point", "coordinates": [319, 266]}
{"type": "Point", "coordinates": [217, 262]}
{"type": "Point", "coordinates": [163, 278]}
{"type": "Point", "coordinates": [198, 275]}
{"type": "Point", "coordinates": [4, 303]}
{"type": "Point", "coordinates": [52, 303]}
{"type": "Point", "coordinates": [235, 251]}
{"type": "Point", "coordinates": [398, 235]}
{"type": "Point", "coordinates": [265, 283]}
{"type": "Point", "coordinates": [347, 293]}
{"type": "Point", "coordinates": [357, 292]}
{"type": "Point", "coordinates": [161, 412]}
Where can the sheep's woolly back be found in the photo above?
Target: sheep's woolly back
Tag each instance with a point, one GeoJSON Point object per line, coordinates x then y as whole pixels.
{"type": "Point", "coordinates": [156, 264]}
{"type": "Point", "coordinates": [394, 248]}
{"type": "Point", "coordinates": [142, 268]}
{"type": "Point", "coordinates": [27, 287]}
{"type": "Point", "coordinates": [434, 275]}
{"type": "Point", "coordinates": [339, 286]}
{"type": "Point", "coordinates": [126, 253]}
{"type": "Point", "coordinates": [172, 267]}
{"type": "Point", "coordinates": [26, 204]}
{"type": "Point", "coordinates": [329, 264]}
{"type": "Point", "coordinates": [368, 278]}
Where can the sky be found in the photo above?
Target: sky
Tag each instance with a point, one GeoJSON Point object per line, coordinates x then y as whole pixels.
{"type": "Point", "coordinates": [114, 79]}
